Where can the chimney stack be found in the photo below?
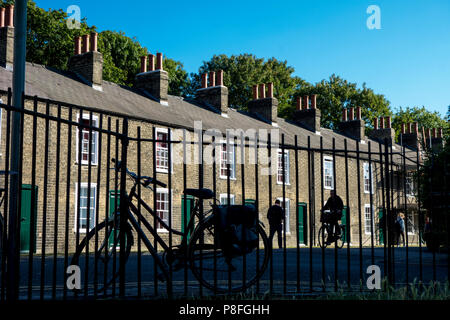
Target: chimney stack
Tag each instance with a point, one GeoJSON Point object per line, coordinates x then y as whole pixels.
{"type": "Point", "coordinates": [309, 116]}
{"type": "Point", "coordinates": [154, 82]}
{"type": "Point", "coordinates": [411, 138]}
{"type": "Point", "coordinates": [7, 37]}
{"type": "Point", "coordinates": [384, 131]}
{"type": "Point", "coordinates": [214, 93]}
{"type": "Point", "coordinates": [266, 108]}
{"type": "Point", "coordinates": [87, 63]}
{"type": "Point", "coordinates": [353, 127]}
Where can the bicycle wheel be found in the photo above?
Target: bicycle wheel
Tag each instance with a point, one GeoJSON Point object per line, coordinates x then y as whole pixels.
{"type": "Point", "coordinates": [323, 235]}
{"type": "Point", "coordinates": [340, 239]}
{"type": "Point", "coordinates": [100, 266]}
{"type": "Point", "coordinates": [219, 274]}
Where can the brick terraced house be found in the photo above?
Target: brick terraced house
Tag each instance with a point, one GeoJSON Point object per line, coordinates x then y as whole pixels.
{"type": "Point", "coordinates": [75, 188]}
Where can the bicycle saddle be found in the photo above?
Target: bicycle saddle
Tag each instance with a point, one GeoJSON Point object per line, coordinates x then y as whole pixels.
{"type": "Point", "coordinates": [202, 193]}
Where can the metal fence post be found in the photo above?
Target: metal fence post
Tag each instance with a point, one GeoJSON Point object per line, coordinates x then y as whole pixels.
{"type": "Point", "coordinates": [123, 206]}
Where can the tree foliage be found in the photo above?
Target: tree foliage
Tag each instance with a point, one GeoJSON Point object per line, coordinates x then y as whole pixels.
{"type": "Point", "coordinates": [243, 71]}
{"type": "Point", "coordinates": [336, 93]}
{"type": "Point", "coordinates": [425, 118]}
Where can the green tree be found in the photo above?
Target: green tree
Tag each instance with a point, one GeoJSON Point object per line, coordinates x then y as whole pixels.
{"type": "Point", "coordinates": [336, 93]}
{"type": "Point", "coordinates": [243, 71]}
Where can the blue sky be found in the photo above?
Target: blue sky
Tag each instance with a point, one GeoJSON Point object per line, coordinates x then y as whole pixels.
{"type": "Point", "coordinates": [408, 59]}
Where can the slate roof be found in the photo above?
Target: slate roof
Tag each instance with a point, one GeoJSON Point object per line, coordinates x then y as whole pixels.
{"type": "Point", "coordinates": [64, 86]}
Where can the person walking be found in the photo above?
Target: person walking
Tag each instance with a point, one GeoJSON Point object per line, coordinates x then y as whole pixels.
{"type": "Point", "coordinates": [275, 216]}
{"type": "Point", "coordinates": [401, 228]}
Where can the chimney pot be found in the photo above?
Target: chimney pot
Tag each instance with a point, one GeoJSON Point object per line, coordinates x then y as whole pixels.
{"type": "Point", "coordinates": [403, 128]}
{"type": "Point", "coordinates": [358, 113]}
{"type": "Point", "coordinates": [219, 78]}
{"type": "Point", "coordinates": [204, 80]}
{"type": "Point", "coordinates": [381, 122]}
{"type": "Point", "coordinates": [352, 114]}
{"type": "Point", "coordinates": [212, 79]}
{"type": "Point", "coordinates": [440, 133]}
{"type": "Point", "coordinates": [388, 122]}
{"type": "Point", "coordinates": [77, 41]}
{"type": "Point", "coordinates": [151, 62]}
{"type": "Point", "coordinates": [375, 124]}
{"type": "Point", "coordinates": [159, 61]}
{"type": "Point", "coordinates": [262, 90]}
{"type": "Point", "coordinates": [144, 64]}
{"type": "Point", "coordinates": [2, 17]}
{"type": "Point", "coordinates": [94, 37]}
{"type": "Point", "coordinates": [344, 115]}
{"type": "Point", "coordinates": [255, 92]}
{"type": "Point", "coordinates": [85, 47]}
{"type": "Point", "coordinates": [270, 90]}
{"type": "Point", "coordinates": [415, 128]}
{"type": "Point", "coordinates": [313, 101]}
{"type": "Point", "coordinates": [305, 102]}
{"type": "Point", "coordinates": [299, 103]}
{"type": "Point", "coordinates": [9, 16]}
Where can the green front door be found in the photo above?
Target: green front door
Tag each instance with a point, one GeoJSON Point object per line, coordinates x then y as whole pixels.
{"type": "Point", "coordinates": [189, 208]}
{"type": "Point", "coordinates": [114, 195]}
{"type": "Point", "coordinates": [302, 223]}
{"type": "Point", "coordinates": [345, 219]}
{"type": "Point", "coordinates": [381, 236]}
{"type": "Point", "coordinates": [25, 217]}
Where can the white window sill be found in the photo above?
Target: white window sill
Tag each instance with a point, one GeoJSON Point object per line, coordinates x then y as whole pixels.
{"type": "Point", "coordinates": [225, 178]}
{"type": "Point", "coordinates": [80, 231]}
{"type": "Point", "coordinates": [281, 183]}
{"type": "Point", "coordinates": [162, 231]}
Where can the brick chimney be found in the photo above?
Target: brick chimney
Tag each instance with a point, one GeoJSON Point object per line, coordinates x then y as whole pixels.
{"type": "Point", "coordinates": [7, 37]}
{"type": "Point", "coordinates": [384, 131]}
{"type": "Point", "coordinates": [307, 114]}
{"type": "Point", "coordinates": [265, 107]}
{"type": "Point", "coordinates": [155, 81]}
{"type": "Point", "coordinates": [87, 62]}
{"type": "Point", "coordinates": [214, 93]}
{"type": "Point", "coordinates": [354, 126]}
{"type": "Point", "coordinates": [410, 138]}
{"type": "Point", "coordinates": [437, 141]}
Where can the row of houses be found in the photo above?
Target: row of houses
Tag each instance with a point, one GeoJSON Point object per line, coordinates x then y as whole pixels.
{"type": "Point", "coordinates": [67, 184]}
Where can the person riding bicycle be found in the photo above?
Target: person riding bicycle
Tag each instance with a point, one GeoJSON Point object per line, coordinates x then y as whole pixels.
{"type": "Point", "coordinates": [335, 205]}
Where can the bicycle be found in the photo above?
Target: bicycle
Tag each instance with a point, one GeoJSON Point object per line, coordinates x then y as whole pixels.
{"type": "Point", "coordinates": [325, 230]}
{"type": "Point", "coordinates": [216, 263]}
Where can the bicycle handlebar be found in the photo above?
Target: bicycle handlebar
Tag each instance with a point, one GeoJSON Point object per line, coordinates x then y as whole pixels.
{"type": "Point", "coordinates": [144, 180]}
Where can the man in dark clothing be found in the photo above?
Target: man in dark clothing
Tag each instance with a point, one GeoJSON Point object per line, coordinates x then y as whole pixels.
{"type": "Point", "coordinates": [275, 215]}
{"type": "Point", "coordinates": [335, 205]}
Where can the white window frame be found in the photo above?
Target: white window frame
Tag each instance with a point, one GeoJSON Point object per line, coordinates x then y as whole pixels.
{"type": "Point", "coordinates": [366, 169]}
{"type": "Point", "coordinates": [287, 210]}
{"type": "Point", "coordinates": [411, 189]}
{"type": "Point", "coordinates": [325, 160]}
{"type": "Point", "coordinates": [92, 203]}
{"type": "Point", "coordinates": [371, 217]}
{"type": "Point", "coordinates": [170, 209]}
{"type": "Point", "coordinates": [232, 164]}
{"type": "Point", "coordinates": [94, 159]}
{"type": "Point", "coordinates": [280, 167]}
{"type": "Point", "coordinates": [169, 149]}
{"type": "Point", "coordinates": [224, 196]}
